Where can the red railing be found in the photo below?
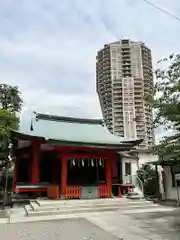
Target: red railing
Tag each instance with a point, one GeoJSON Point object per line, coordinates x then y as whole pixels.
{"type": "Point", "coordinates": [73, 192]}
{"type": "Point", "coordinates": [104, 191]}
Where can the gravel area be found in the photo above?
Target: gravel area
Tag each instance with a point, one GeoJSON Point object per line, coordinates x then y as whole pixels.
{"type": "Point", "coordinates": [78, 229]}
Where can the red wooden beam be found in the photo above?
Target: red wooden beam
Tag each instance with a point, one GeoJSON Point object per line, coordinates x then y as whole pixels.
{"type": "Point", "coordinates": [87, 155]}
{"type": "Point", "coordinates": [29, 189]}
{"type": "Point", "coordinates": [69, 149]}
{"type": "Point", "coordinates": [83, 152]}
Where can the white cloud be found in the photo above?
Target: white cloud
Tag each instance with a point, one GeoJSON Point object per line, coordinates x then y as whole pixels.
{"type": "Point", "coordinates": [64, 104]}
{"type": "Point", "coordinates": [48, 47]}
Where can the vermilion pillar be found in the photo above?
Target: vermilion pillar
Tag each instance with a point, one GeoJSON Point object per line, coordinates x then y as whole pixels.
{"type": "Point", "coordinates": [108, 176]}
{"type": "Point", "coordinates": [64, 161]}
{"type": "Point", "coordinates": [35, 167]}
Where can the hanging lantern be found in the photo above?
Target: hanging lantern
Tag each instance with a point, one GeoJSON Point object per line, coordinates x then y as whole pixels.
{"type": "Point", "coordinates": [82, 162]}
{"type": "Point", "coordinates": [92, 163]}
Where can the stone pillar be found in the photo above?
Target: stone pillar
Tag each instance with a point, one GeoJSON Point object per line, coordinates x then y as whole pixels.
{"type": "Point", "coordinates": [35, 167]}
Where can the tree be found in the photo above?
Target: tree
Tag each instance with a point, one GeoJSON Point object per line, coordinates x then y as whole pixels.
{"type": "Point", "coordinates": [167, 103]}
{"type": "Point", "coordinates": [8, 121]}
{"type": "Point", "coordinates": [147, 174]}
{"type": "Point", "coordinates": [10, 98]}
{"type": "Point", "coordinates": [10, 105]}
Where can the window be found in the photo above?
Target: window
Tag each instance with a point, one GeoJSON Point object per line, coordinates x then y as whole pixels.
{"type": "Point", "coordinates": [127, 168]}
{"type": "Point", "coordinates": [174, 171]}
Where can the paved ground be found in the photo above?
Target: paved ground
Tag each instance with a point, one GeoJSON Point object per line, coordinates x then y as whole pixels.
{"type": "Point", "coordinates": [164, 224]}
{"type": "Point", "coordinates": [54, 230]}
{"type": "Point", "coordinates": [136, 221]}
{"type": "Point", "coordinates": [142, 223]}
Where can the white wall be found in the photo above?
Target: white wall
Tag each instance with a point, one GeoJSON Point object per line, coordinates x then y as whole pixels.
{"type": "Point", "coordinates": [134, 166]}
{"type": "Point", "coordinates": [143, 158]}
{"type": "Point", "coordinates": [171, 192]}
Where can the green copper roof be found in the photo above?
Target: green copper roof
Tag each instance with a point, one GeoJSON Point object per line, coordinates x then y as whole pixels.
{"type": "Point", "coordinates": [67, 129]}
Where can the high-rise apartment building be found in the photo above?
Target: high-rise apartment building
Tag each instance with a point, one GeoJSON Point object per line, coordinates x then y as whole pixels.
{"type": "Point", "coordinates": [124, 78]}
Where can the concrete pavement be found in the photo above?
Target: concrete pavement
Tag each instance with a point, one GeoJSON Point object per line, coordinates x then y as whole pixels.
{"type": "Point", "coordinates": [137, 220]}
{"type": "Point", "coordinates": [70, 229]}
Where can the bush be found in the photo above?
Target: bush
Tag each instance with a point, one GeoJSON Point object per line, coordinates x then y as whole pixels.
{"type": "Point", "coordinates": [147, 174]}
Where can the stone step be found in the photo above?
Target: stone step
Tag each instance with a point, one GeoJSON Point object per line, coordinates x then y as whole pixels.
{"type": "Point", "coordinates": [66, 207]}
{"type": "Point", "coordinates": [35, 210]}
{"type": "Point", "coordinates": [27, 209]}
{"type": "Point", "coordinates": [71, 205]}
{"type": "Point", "coordinates": [79, 202]}
{"type": "Point", "coordinates": [135, 195]}
{"type": "Point", "coordinates": [69, 211]}
{"type": "Point", "coordinates": [62, 203]}
{"type": "Point", "coordinates": [35, 207]}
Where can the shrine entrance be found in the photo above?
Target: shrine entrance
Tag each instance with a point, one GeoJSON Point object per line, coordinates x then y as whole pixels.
{"type": "Point", "coordinates": [85, 172]}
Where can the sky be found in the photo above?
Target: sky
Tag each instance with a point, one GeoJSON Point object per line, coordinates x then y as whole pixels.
{"type": "Point", "coordinates": [48, 47]}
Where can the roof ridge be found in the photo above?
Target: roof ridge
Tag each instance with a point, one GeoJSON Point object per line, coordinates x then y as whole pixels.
{"type": "Point", "coordinates": [48, 117]}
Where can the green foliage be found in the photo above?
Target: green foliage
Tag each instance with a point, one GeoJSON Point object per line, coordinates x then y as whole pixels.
{"type": "Point", "coordinates": [8, 121]}
{"type": "Point", "coordinates": [10, 105]}
{"type": "Point", "coordinates": [10, 98]}
{"type": "Point", "coordinates": [147, 174]}
{"type": "Point", "coordinates": [167, 87]}
{"type": "Point", "coordinates": [167, 103]}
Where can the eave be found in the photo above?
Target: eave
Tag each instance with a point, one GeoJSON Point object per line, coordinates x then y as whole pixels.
{"type": "Point", "coordinates": [60, 142]}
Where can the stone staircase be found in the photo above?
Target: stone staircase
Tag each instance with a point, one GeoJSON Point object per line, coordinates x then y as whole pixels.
{"type": "Point", "coordinates": [138, 190]}
{"type": "Point", "coordinates": [135, 194]}
{"type": "Point", "coordinates": [40, 210]}
{"type": "Point", "coordinates": [65, 207]}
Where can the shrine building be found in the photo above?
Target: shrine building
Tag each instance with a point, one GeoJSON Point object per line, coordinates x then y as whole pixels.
{"type": "Point", "coordinates": [65, 158]}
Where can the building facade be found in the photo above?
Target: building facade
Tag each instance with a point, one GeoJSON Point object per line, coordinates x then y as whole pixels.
{"type": "Point", "coordinates": [124, 82]}
{"type": "Point", "coordinates": [63, 157]}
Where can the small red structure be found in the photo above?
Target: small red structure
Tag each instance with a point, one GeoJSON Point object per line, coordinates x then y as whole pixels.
{"type": "Point", "coordinates": [61, 157]}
